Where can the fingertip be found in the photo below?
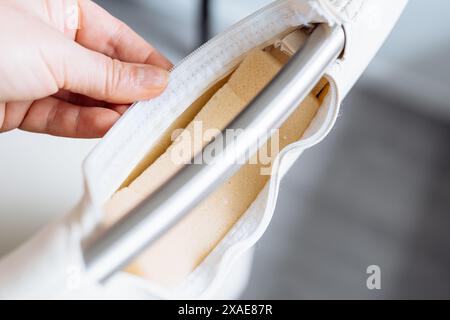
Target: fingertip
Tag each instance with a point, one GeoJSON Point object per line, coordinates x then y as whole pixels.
{"type": "Point", "coordinates": [152, 81]}
{"type": "Point", "coordinates": [153, 76]}
{"type": "Point", "coordinates": [112, 80]}
{"type": "Point", "coordinates": [160, 60]}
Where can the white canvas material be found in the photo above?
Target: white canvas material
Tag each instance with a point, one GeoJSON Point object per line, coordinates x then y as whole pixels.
{"type": "Point", "coordinates": [51, 266]}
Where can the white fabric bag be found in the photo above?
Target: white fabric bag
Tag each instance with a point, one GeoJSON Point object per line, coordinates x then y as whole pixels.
{"type": "Point", "coordinates": [51, 266]}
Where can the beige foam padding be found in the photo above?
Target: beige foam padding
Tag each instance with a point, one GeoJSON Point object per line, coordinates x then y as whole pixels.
{"type": "Point", "coordinates": [165, 140]}
{"type": "Point", "coordinates": [279, 55]}
{"type": "Point", "coordinates": [254, 73]}
{"type": "Point", "coordinates": [120, 203]}
{"type": "Point", "coordinates": [166, 165]}
{"type": "Point", "coordinates": [257, 65]}
{"type": "Point", "coordinates": [320, 86]}
{"type": "Point", "coordinates": [184, 247]}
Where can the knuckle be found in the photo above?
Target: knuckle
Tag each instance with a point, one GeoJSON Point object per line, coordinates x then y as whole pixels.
{"type": "Point", "coordinates": [121, 76]}
{"type": "Point", "coordinates": [116, 38]}
{"type": "Point", "coordinates": [113, 70]}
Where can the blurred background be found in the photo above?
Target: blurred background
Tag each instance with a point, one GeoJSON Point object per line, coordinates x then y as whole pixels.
{"type": "Point", "coordinates": [376, 192]}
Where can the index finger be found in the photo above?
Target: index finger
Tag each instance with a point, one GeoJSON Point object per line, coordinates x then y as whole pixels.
{"type": "Point", "coordinates": [102, 32]}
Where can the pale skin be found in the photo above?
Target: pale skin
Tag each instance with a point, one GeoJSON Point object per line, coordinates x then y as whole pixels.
{"type": "Point", "coordinates": [71, 80]}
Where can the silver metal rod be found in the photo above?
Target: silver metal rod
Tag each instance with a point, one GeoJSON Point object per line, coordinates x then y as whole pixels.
{"type": "Point", "coordinates": [110, 250]}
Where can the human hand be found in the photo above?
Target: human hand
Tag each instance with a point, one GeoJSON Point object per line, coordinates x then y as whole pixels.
{"type": "Point", "coordinates": [62, 80]}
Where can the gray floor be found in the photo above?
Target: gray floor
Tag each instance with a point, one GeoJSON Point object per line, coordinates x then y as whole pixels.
{"type": "Point", "coordinates": [377, 192]}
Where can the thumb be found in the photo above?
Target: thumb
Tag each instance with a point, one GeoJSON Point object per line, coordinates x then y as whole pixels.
{"type": "Point", "coordinates": [100, 77]}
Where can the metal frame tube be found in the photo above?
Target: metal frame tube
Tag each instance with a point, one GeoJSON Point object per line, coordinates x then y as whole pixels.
{"type": "Point", "coordinates": [110, 250]}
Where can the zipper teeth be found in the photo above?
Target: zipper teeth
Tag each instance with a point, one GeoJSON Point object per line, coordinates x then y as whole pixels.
{"type": "Point", "coordinates": [227, 31]}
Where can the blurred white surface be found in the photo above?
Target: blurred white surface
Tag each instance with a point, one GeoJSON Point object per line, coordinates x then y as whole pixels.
{"type": "Point", "coordinates": [41, 179]}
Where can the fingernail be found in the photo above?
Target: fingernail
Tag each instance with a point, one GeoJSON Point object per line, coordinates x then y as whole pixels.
{"type": "Point", "coordinates": [153, 77]}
